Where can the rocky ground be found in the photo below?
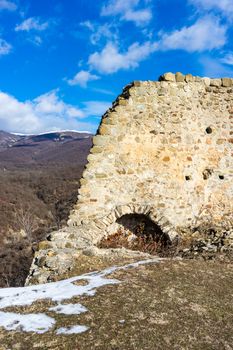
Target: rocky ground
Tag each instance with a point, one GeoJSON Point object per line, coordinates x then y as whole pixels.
{"type": "Point", "coordinates": [168, 304]}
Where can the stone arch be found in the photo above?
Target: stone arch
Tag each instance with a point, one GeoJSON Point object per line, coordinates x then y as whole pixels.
{"type": "Point", "coordinates": [143, 230]}
{"type": "Point", "coordinates": [147, 210]}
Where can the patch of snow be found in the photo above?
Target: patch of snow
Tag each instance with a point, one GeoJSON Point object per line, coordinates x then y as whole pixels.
{"type": "Point", "coordinates": [69, 309]}
{"type": "Point", "coordinates": [121, 321]}
{"type": "Point", "coordinates": [53, 132]}
{"type": "Point", "coordinates": [66, 289]}
{"type": "Point", "coordinates": [57, 292]}
{"type": "Point", "coordinates": [38, 323]}
{"type": "Point", "coordinates": [72, 330]}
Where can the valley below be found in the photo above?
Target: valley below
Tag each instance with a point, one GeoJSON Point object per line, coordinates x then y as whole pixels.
{"type": "Point", "coordinates": [39, 181]}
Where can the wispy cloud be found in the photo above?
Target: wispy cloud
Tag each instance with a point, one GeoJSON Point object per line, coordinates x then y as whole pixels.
{"type": "Point", "coordinates": [228, 59]}
{"type": "Point", "coordinates": [7, 5]}
{"type": "Point", "coordinates": [32, 23]}
{"type": "Point", "coordinates": [51, 104]}
{"type": "Point", "coordinates": [206, 34]}
{"type": "Point", "coordinates": [104, 91]}
{"type": "Point", "coordinates": [99, 32]}
{"type": "Point", "coordinates": [213, 67]}
{"type": "Point", "coordinates": [5, 47]}
{"type": "Point", "coordinates": [224, 6]}
{"type": "Point", "coordinates": [37, 40]}
{"type": "Point", "coordinates": [193, 38]}
{"type": "Point", "coordinates": [111, 60]}
{"type": "Point", "coordinates": [82, 78]}
{"type": "Point", "coordinates": [128, 10]}
{"type": "Point", "coordinates": [46, 112]}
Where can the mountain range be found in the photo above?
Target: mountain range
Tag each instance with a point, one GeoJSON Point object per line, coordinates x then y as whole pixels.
{"type": "Point", "coordinates": [68, 147]}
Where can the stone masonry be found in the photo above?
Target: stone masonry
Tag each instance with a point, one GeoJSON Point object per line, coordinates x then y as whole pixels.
{"type": "Point", "coordinates": [164, 149]}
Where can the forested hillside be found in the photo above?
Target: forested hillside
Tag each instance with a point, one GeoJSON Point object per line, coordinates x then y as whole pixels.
{"type": "Point", "coordinates": [39, 181]}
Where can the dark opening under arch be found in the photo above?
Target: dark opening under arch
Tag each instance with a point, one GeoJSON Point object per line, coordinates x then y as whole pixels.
{"type": "Point", "coordinates": [137, 232]}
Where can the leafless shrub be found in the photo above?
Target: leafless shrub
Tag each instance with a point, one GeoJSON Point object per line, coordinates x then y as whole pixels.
{"type": "Point", "coordinates": [25, 220]}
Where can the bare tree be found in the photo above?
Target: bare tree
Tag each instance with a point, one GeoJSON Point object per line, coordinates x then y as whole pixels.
{"type": "Point", "coordinates": [26, 221]}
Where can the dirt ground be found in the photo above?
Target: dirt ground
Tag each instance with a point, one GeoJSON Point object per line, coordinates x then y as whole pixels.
{"type": "Point", "coordinates": [176, 304]}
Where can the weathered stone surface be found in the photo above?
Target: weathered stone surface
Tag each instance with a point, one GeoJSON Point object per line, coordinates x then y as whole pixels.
{"type": "Point", "coordinates": [227, 82]}
{"type": "Point", "coordinates": [141, 165]}
{"type": "Point", "coordinates": [197, 79]}
{"type": "Point", "coordinates": [180, 77]}
{"type": "Point", "coordinates": [215, 82]}
{"type": "Point", "coordinates": [44, 245]}
{"type": "Point", "coordinates": [189, 78]}
{"type": "Point", "coordinates": [168, 77]}
{"type": "Point", "coordinates": [206, 81]}
{"type": "Point", "coordinates": [164, 156]}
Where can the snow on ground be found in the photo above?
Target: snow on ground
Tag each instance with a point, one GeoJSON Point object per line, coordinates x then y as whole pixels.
{"type": "Point", "coordinates": [39, 323]}
{"type": "Point", "coordinates": [57, 292]}
{"type": "Point", "coordinates": [72, 330]}
{"type": "Point", "coordinates": [69, 309]}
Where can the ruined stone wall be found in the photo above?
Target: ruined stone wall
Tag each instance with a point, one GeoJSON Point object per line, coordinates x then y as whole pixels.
{"type": "Point", "coordinates": [166, 149]}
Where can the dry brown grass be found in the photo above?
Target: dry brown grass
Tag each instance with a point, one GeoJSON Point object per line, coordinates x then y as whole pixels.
{"type": "Point", "coordinates": [172, 305]}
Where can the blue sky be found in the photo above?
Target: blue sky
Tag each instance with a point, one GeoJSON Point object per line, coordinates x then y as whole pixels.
{"type": "Point", "coordinates": [63, 62]}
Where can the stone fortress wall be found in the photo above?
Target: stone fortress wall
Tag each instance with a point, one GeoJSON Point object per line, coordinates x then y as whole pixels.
{"type": "Point", "coordinates": [165, 149]}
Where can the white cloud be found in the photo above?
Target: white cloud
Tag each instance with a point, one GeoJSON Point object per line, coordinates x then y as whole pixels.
{"type": "Point", "coordinates": [104, 91]}
{"type": "Point", "coordinates": [37, 40]}
{"type": "Point", "coordinates": [88, 24]}
{"type": "Point", "coordinates": [110, 59]}
{"type": "Point", "coordinates": [100, 32]}
{"type": "Point", "coordinates": [32, 23]}
{"type": "Point", "coordinates": [5, 47]}
{"type": "Point", "coordinates": [206, 34]}
{"type": "Point", "coordinates": [82, 78]}
{"type": "Point", "coordinates": [228, 59]}
{"type": "Point", "coordinates": [46, 113]}
{"type": "Point", "coordinates": [225, 6]}
{"type": "Point", "coordinates": [128, 10]}
{"type": "Point", "coordinates": [51, 104]}
{"type": "Point", "coordinates": [105, 31]}
{"type": "Point", "coordinates": [7, 5]}
{"type": "Point", "coordinates": [212, 67]}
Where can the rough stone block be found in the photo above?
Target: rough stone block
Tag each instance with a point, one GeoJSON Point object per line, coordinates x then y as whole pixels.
{"type": "Point", "coordinates": [105, 130]}
{"type": "Point", "coordinates": [162, 92]}
{"type": "Point", "coordinates": [197, 79]}
{"type": "Point", "coordinates": [122, 102]}
{"type": "Point", "coordinates": [96, 149]}
{"type": "Point", "coordinates": [137, 83]}
{"type": "Point", "coordinates": [215, 82]}
{"type": "Point", "coordinates": [44, 245]}
{"type": "Point", "coordinates": [180, 78]}
{"type": "Point", "coordinates": [83, 181]}
{"type": "Point", "coordinates": [206, 81]}
{"type": "Point", "coordinates": [100, 176]}
{"type": "Point", "coordinates": [226, 82]}
{"type": "Point", "coordinates": [168, 77]}
{"type": "Point", "coordinates": [189, 78]}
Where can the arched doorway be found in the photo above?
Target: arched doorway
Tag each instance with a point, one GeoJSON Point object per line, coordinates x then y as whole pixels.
{"type": "Point", "coordinates": [137, 232]}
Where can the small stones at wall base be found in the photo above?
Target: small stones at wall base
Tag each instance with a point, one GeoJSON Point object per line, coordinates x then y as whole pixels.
{"type": "Point", "coordinates": [213, 244]}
